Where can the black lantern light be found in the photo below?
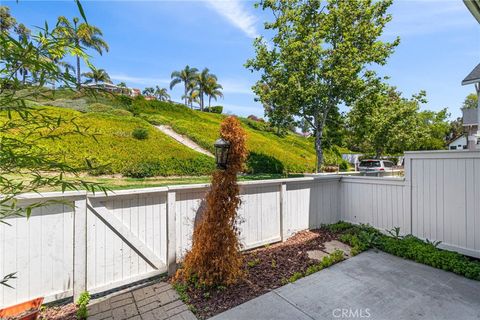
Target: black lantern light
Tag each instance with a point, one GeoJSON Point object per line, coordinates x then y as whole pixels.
{"type": "Point", "coordinates": [221, 153]}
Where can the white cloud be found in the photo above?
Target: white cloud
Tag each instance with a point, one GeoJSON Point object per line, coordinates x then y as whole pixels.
{"type": "Point", "coordinates": [139, 80]}
{"type": "Point", "coordinates": [237, 14]}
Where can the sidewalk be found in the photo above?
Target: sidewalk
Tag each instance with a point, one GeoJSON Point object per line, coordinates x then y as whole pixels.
{"type": "Point", "coordinates": [369, 286]}
{"type": "Point", "coordinates": [157, 301]}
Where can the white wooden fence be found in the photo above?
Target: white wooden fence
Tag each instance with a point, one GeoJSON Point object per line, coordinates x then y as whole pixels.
{"type": "Point", "coordinates": [99, 242]}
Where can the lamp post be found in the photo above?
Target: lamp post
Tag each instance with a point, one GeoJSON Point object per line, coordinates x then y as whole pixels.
{"type": "Point", "coordinates": [221, 153]}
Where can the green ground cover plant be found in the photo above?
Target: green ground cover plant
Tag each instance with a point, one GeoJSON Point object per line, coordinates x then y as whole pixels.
{"type": "Point", "coordinates": [111, 148]}
{"type": "Point", "coordinates": [364, 237]}
{"type": "Point", "coordinates": [269, 153]}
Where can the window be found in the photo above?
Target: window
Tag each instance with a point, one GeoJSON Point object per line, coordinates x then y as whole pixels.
{"type": "Point", "coordinates": [388, 164]}
{"type": "Point", "coordinates": [370, 164]}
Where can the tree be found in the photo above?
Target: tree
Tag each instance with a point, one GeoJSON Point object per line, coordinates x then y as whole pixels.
{"type": "Point", "coordinates": [203, 81]}
{"type": "Point", "coordinates": [122, 85]}
{"type": "Point", "coordinates": [161, 94]}
{"type": "Point", "coordinates": [318, 57]}
{"type": "Point", "coordinates": [81, 35]}
{"type": "Point", "coordinates": [96, 76]}
{"type": "Point", "coordinates": [213, 90]}
{"type": "Point", "coordinates": [188, 77]}
{"type": "Point", "coordinates": [470, 102]}
{"type": "Point", "coordinates": [22, 154]}
{"type": "Point", "coordinates": [7, 22]}
{"type": "Point", "coordinates": [382, 121]}
{"type": "Point", "coordinates": [149, 92]}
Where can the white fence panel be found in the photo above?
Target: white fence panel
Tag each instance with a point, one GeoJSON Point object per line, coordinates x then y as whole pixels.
{"type": "Point", "coordinates": [379, 202]}
{"type": "Point", "coordinates": [259, 214]}
{"type": "Point", "coordinates": [445, 198]}
{"type": "Point", "coordinates": [187, 205]}
{"type": "Point", "coordinates": [40, 251]}
{"type": "Point", "coordinates": [111, 261]}
{"type": "Point", "coordinates": [310, 203]}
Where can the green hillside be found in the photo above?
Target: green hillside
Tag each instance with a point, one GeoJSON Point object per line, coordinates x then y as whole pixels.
{"type": "Point", "coordinates": [117, 151]}
{"type": "Point", "coordinates": [109, 145]}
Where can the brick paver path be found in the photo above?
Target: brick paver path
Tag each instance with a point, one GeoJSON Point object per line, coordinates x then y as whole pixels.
{"type": "Point", "coordinates": [154, 302]}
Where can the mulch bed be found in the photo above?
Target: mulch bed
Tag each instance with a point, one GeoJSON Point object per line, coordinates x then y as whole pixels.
{"type": "Point", "coordinates": [63, 312]}
{"type": "Point", "coordinates": [266, 268]}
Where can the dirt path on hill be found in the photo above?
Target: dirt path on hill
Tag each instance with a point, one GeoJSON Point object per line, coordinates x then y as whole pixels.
{"type": "Point", "coordinates": [183, 140]}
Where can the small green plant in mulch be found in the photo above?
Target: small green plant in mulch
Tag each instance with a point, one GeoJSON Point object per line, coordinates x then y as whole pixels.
{"type": "Point", "coordinates": [364, 237]}
{"type": "Point", "coordinates": [326, 262]}
{"type": "Point", "coordinates": [254, 262]}
{"type": "Point", "coordinates": [274, 263]}
{"type": "Point", "coordinates": [82, 302]}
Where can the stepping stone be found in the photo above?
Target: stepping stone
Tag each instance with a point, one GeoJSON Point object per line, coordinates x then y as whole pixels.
{"type": "Point", "coordinates": [333, 245]}
{"type": "Point", "coordinates": [316, 255]}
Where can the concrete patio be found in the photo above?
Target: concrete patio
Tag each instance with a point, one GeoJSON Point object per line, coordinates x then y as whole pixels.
{"type": "Point", "coordinates": [372, 285]}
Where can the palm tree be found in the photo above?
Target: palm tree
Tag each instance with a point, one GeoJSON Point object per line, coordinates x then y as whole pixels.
{"type": "Point", "coordinates": [97, 75]}
{"type": "Point", "coordinates": [203, 80]}
{"type": "Point", "coordinates": [161, 94]}
{"type": "Point", "coordinates": [187, 76]}
{"type": "Point", "coordinates": [82, 34]}
{"type": "Point", "coordinates": [122, 85]}
{"type": "Point", "coordinates": [213, 90]}
{"type": "Point", "coordinates": [149, 92]}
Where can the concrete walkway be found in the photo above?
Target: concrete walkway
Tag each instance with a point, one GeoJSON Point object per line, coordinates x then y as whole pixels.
{"type": "Point", "coordinates": [157, 301]}
{"type": "Point", "coordinates": [183, 140]}
{"type": "Point", "coordinates": [368, 286]}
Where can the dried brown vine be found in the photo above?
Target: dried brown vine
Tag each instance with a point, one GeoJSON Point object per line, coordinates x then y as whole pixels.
{"type": "Point", "coordinates": [215, 257]}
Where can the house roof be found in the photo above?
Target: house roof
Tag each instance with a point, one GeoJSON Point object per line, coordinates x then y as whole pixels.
{"type": "Point", "coordinates": [457, 138]}
{"type": "Point", "coordinates": [473, 76]}
{"type": "Point", "coordinates": [474, 7]}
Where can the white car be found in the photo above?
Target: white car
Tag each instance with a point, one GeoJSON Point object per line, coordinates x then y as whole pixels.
{"type": "Point", "coordinates": [375, 165]}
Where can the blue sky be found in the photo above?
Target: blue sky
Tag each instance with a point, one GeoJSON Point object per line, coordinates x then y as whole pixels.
{"type": "Point", "coordinates": [440, 44]}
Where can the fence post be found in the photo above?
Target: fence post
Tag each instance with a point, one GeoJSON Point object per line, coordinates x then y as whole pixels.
{"type": "Point", "coordinates": [171, 233]}
{"type": "Point", "coordinates": [80, 248]}
{"type": "Point", "coordinates": [283, 209]}
{"type": "Point", "coordinates": [408, 191]}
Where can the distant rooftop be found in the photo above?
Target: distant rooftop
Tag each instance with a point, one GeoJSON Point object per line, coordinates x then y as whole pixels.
{"type": "Point", "coordinates": [473, 76]}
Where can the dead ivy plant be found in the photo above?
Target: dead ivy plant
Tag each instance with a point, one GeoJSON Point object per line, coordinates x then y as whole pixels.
{"type": "Point", "coordinates": [215, 257]}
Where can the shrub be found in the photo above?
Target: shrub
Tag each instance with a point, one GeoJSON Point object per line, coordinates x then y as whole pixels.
{"type": "Point", "coordinates": [215, 109]}
{"type": "Point", "coordinates": [262, 163]}
{"type": "Point", "coordinates": [409, 247]}
{"type": "Point", "coordinates": [140, 133]}
{"type": "Point", "coordinates": [82, 302]}
{"type": "Point", "coordinates": [124, 100]}
{"type": "Point", "coordinates": [99, 107]}
{"type": "Point", "coordinates": [343, 166]}
{"type": "Point", "coordinates": [74, 104]}
{"type": "Point", "coordinates": [121, 112]}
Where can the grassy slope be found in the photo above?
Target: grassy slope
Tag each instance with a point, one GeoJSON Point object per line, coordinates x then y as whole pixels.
{"type": "Point", "coordinates": [291, 153]}
{"type": "Point", "coordinates": [159, 155]}
{"type": "Point", "coordinates": [115, 147]}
